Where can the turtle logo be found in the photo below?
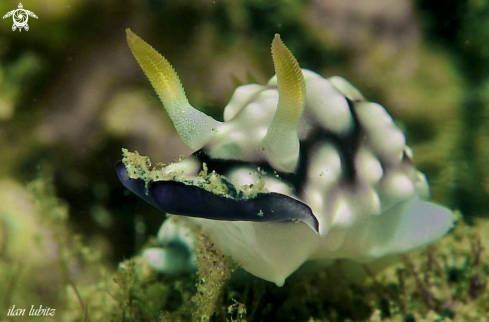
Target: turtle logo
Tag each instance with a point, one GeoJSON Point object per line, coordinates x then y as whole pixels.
{"type": "Point", "coordinates": [20, 16]}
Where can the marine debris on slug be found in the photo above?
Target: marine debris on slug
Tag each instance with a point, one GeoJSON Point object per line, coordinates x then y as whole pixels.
{"type": "Point", "coordinates": [139, 167]}
{"type": "Point", "coordinates": [331, 160]}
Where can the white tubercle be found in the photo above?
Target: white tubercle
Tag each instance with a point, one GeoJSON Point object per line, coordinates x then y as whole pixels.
{"type": "Point", "coordinates": [395, 186]}
{"type": "Point", "coordinates": [324, 168]}
{"type": "Point", "coordinates": [421, 184]}
{"type": "Point", "coordinates": [368, 166]}
{"type": "Point", "coordinates": [344, 214]}
{"type": "Point", "coordinates": [329, 107]}
{"type": "Point", "coordinates": [241, 97]}
{"type": "Point", "coordinates": [189, 166]}
{"type": "Point", "coordinates": [241, 137]}
{"type": "Point", "coordinates": [374, 203]}
{"type": "Point", "coordinates": [383, 137]}
{"type": "Point", "coordinates": [345, 88]}
{"type": "Point", "coordinates": [372, 116]}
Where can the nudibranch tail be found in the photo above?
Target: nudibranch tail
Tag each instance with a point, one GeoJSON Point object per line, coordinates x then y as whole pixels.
{"type": "Point", "coordinates": [281, 140]}
{"type": "Point", "coordinates": [193, 126]}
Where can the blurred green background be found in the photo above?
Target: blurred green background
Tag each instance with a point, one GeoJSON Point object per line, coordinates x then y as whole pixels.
{"type": "Point", "coordinates": [71, 95]}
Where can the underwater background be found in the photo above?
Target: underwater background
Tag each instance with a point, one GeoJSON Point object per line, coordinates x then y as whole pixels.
{"type": "Point", "coordinates": [71, 96]}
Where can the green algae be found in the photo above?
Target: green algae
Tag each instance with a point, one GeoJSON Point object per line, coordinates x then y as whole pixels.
{"type": "Point", "coordinates": [446, 281]}
{"type": "Point", "coordinates": [139, 167]}
{"type": "Point", "coordinates": [213, 273]}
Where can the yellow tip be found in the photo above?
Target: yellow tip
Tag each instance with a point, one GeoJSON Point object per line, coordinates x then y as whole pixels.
{"type": "Point", "coordinates": [290, 81]}
{"type": "Point", "coordinates": [160, 73]}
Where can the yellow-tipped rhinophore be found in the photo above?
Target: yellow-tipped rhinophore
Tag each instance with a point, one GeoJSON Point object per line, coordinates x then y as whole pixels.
{"type": "Point", "coordinates": [291, 84]}
{"type": "Point", "coordinates": [193, 126]}
{"type": "Point", "coordinates": [281, 140]}
{"type": "Point", "coordinates": [158, 70]}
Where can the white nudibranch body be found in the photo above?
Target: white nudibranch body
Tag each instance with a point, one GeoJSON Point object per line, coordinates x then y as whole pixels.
{"type": "Point", "coordinates": [306, 167]}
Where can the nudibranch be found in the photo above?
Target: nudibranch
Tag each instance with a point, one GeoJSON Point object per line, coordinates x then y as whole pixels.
{"type": "Point", "coordinates": [302, 168]}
